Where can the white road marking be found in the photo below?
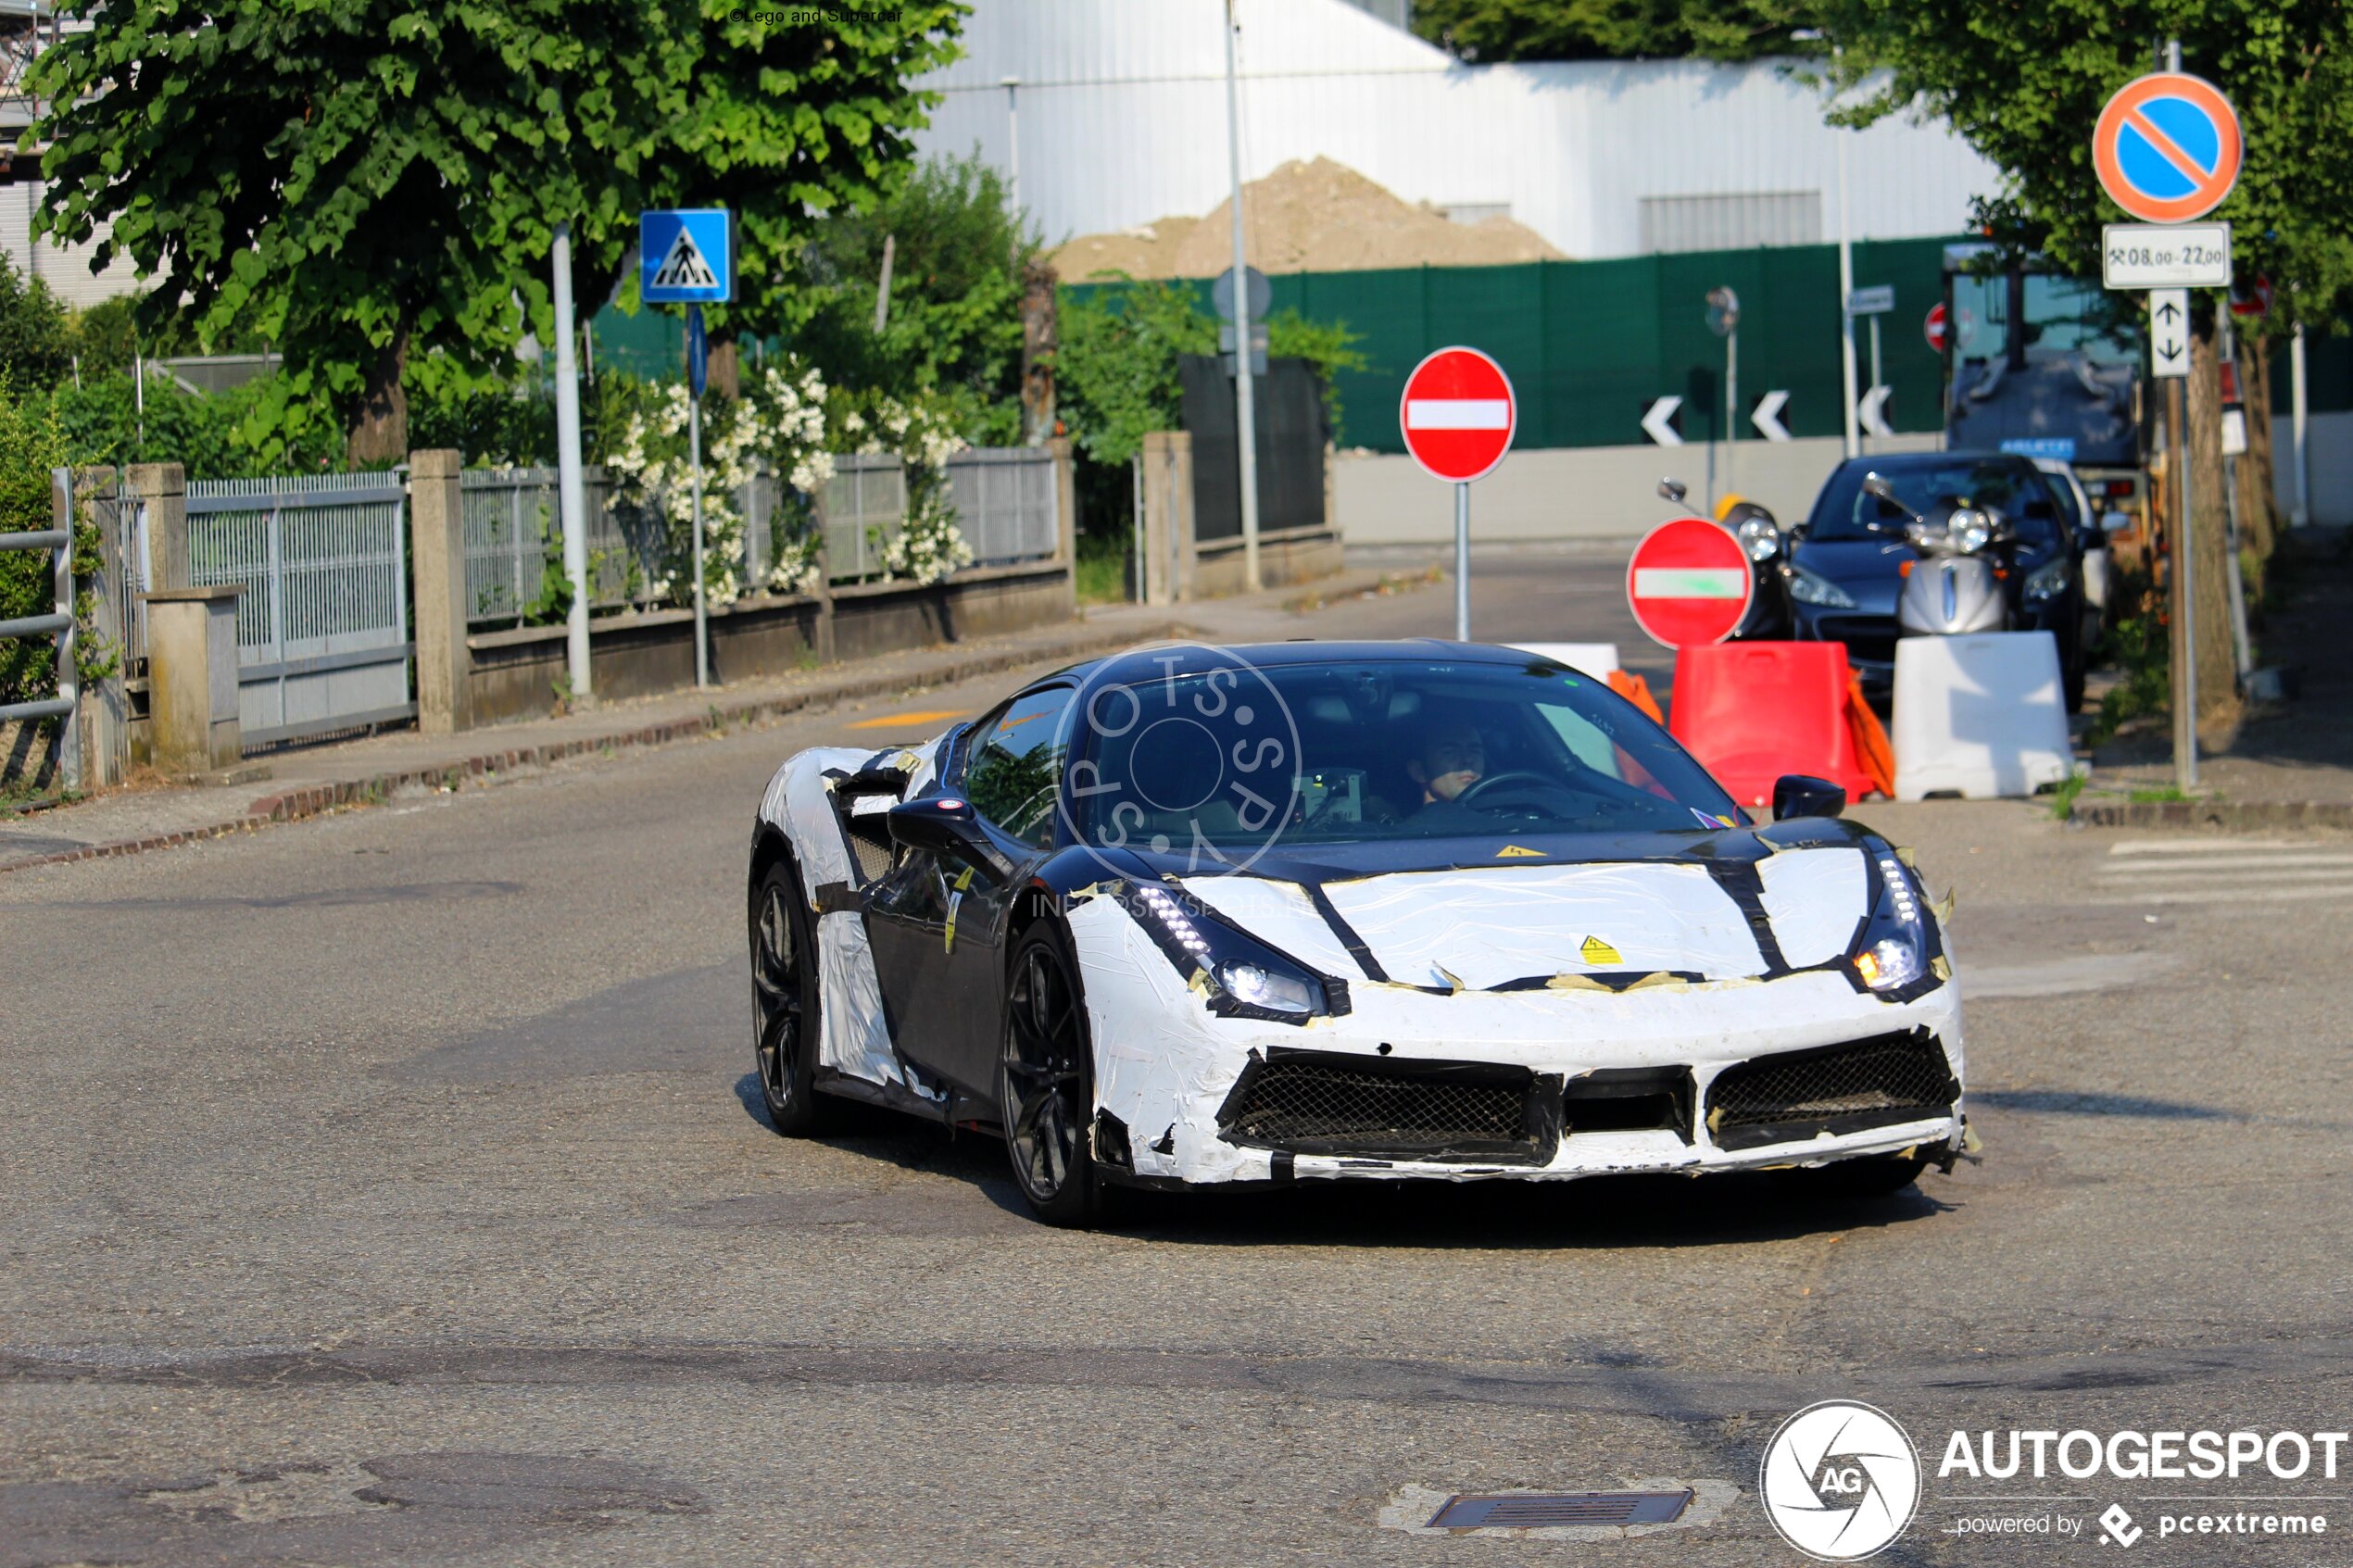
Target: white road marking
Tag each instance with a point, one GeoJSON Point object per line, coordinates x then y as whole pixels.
{"type": "Point", "coordinates": [2200, 847]}
{"type": "Point", "coordinates": [2061, 977]}
{"type": "Point", "coordinates": [2235, 896]}
{"type": "Point", "coordinates": [2232, 866]}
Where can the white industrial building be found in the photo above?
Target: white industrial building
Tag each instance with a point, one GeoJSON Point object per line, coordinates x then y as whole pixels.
{"type": "Point", "coordinates": [1111, 113]}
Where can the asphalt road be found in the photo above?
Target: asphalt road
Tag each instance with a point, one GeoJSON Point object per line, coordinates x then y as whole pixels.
{"type": "Point", "coordinates": [390, 1188]}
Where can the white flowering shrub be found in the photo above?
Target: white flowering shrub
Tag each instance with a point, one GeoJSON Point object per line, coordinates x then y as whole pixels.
{"type": "Point", "coordinates": [924, 436]}
{"type": "Point", "coordinates": [779, 424]}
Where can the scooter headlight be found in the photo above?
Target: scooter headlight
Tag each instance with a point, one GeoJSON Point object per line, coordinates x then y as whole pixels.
{"type": "Point", "coordinates": [1760, 540]}
{"type": "Point", "coordinates": [1971, 531]}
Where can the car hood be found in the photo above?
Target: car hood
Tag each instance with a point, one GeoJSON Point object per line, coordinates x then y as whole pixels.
{"type": "Point", "coordinates": [1869, 569]}
{"type": "Point", "coordinates": [1607, 923]}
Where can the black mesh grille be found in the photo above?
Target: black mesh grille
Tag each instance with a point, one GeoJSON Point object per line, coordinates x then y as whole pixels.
{"type": "Point", "coordinates": [1839, 1089]}
{"type": "Point", "coordinates": [1316, 1103]}
{"type": "Point", "coordinates": [870, 841]}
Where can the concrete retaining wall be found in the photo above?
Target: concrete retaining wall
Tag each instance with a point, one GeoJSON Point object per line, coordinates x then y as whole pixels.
{"type": "Point", "coordinates": [1284, 558]}
{"type": "Point", "coordinates": [514, 673]}
{"type": "Point", "coordinates": [1578, 491]}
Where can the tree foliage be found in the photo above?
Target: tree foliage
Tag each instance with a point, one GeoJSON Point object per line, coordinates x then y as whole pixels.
{"type": "Point", "coordinates": [372, 186]}
{"type": "Point", "coordinates": [1493, 31]}
{"type": "Point", "coordinates": [2024, 85]}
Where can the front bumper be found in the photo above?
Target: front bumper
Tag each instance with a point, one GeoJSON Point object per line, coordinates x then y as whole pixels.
{"type": "Point", "coordinates": [1167, 1069]}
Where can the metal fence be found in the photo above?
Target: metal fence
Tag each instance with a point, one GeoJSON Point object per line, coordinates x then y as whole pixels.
{"type": "Point", "coordinates": [58, 543]}
{"type": "Point", "coordinates": [322, 623]}
{"type": "Point", "coordinates": [1005, 501]}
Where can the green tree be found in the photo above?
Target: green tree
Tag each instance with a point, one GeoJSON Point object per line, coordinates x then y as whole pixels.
{"type": "Point", "coordinates": [2025, 87]}
{"type": "Point", "coordinates": [958, 248]}
{"type": "Point", "coordinates": [36, 339]}
{"type": "Point", "coordinates": [1586, 30]}
{"type": "Point", "coordinates": [372, 186]}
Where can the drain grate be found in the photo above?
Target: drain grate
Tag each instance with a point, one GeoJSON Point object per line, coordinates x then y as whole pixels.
{"type": "Point", "coordinates": [1524, 1511]}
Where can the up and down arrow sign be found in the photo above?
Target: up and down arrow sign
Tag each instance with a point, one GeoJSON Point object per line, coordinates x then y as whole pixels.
{"type": "Point", "coordinates": [2169, 332]}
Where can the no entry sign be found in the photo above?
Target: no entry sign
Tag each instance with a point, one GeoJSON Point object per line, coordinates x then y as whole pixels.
{"type": "Point", "coordinates": [1689, 582]}
{"type": "Point", "coordinates": [1458, 415]}
{"type": "Point", "coordinates": [1934, 327]}
{"type": "Point", "coordinates": [2167, 147]}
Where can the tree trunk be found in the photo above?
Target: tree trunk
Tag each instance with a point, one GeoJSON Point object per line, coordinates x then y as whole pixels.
{"type": "Point", "coordinates": [1038, 347]}
{"type": "Point", "coordinates": [724, 369]}
{"type": "Point", "coordinates": [2258, 524]}
{"type": "Point", "coordinates": [379, 431]}
{"type": "Point", "coordinates": [2208, 546]}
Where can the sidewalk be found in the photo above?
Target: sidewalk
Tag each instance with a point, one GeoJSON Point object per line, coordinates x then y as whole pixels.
{"type": "Point", "coordinates": [2292, 765]}
{"type": "Point", "coordinates": [306, 780]}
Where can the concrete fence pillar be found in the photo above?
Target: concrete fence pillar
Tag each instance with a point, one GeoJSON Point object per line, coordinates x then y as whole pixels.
{"type": "Point", "coordinates": [1168, 517]}
{"type": "Point", "coordinates": [437, 547]}
{"type": "Point", "coordinates": [104, 715]}
{"type": "Point", "coordinates": [1066, 517]}
{"type": "Point", "coordinates": [191, 678]}
{"type": "Point", "coordinates": [160, 491]}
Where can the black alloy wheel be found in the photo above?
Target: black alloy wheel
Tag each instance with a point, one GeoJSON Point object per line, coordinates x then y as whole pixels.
{"type": "Point", "coordinates": [784, 1002]}
{"type": "Point", "coordinates": [1046, 1084]}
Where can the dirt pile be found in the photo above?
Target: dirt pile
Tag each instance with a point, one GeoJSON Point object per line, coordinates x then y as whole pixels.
{"type": "Point", "coordinates": [1306, 217]}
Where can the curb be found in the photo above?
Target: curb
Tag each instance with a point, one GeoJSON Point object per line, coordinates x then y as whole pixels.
{"type": "Point", "coordinates": [312, 800]}
{"type": "Point", "coordinates": [2244, 816]}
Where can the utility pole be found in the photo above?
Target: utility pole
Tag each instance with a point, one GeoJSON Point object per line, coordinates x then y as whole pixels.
{"type": "Point", "coordinates": [1846, 304]}
{"type": "Point", "coordinates": [1245, 408]}
{"type": "Point", "coordinates": [1012, 85]}
{"type": "Point", "coordinates": [572, 499]}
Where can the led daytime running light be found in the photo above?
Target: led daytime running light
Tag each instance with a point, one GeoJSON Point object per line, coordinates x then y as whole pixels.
{"type": "Point", "coordinates": [1899, 889]}
{"type": "Point", "coordinates": [1174, 920]}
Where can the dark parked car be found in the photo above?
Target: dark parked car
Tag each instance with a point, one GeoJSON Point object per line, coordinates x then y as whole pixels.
{"type": "Point", "coordinates": [1845, 562]}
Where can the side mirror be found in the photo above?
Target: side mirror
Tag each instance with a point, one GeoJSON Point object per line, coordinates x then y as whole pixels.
{"type": "Point", "coordinates": [1673, 490]}
{"type": "Point", "coordinates": [1876, 484]}
{"type": "Point", "coordinates": [946, 825]}
{"type": "Point", "coordinates": [2116, 522]}
{"type": "Point", "coordinates": [1798, 794]}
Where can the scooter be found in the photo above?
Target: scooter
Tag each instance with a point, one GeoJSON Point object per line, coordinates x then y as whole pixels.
{"type": "Point", "coordinates": [1760, 540]}
{"type": "Point", "coordinates": [1955, 586]}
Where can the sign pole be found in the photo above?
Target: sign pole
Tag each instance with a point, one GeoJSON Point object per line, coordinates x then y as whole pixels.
{"type": "Point", "coordinates": [571, 497]}
{"type": "Point", "coordinates": [2184, 636]}
{"type": "Point", "coordinates": [694, 452]}
{"type": "Point", "coordinates": [1731, 401]}
{"type": "Point", "coordinates": [1245, 408]}
{"type": "Point", "coordinates": [1462, 561]}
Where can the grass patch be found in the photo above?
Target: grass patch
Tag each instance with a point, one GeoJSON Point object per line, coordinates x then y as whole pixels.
{"type": "Point", "coordinates": [2156, 796]}
{"type": "Point", "coordinates": [2141, 647]}
{"type": "Point", "coordinates": [1102, 569]}
{"type": "Point", "coordinates": [2063, 797]}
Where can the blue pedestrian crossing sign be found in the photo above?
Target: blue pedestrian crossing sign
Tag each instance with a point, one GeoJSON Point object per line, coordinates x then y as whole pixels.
{"type": "Point", "coordinates": [687, 256]}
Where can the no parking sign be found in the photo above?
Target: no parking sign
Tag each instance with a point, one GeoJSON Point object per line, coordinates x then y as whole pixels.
{"type": "Point", "coordinates": [2168, 147]}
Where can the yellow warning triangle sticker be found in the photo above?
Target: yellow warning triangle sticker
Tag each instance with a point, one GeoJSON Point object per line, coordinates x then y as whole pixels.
{"type": "Point", "coordinates": [1595, 950]}
{"type": "Point", "coordinates": [1513, 852]}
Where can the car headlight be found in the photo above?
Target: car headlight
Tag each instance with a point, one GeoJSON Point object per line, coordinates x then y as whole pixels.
{"type": "Point", "coordinates": [1238, 975]}
{"type": "Point", "coordinates": [1898, 948]}
{"type": "Point", "coordinates": [1760, 540]}
{"type": "Point", "coordinates": [2048, 580]}
{"type": "Point", "coordinates": [1808, 588]}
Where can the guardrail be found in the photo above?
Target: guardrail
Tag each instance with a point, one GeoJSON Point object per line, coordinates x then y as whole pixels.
{"type": "Point", "coordinates": [58, 625]}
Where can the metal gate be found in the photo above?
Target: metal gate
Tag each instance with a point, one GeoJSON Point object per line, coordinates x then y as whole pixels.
{"type": "Point", "coordinates": [322, 625]}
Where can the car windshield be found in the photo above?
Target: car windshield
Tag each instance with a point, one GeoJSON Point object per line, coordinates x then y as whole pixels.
{"type": "Point", "coordinates": [1299, 755]}
{"type": "Point", "coordinates": [2011, 486]}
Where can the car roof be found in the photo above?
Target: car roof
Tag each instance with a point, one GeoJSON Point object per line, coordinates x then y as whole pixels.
{"type": "Point", "coordinates": [1149, 662]}
{"type": "Point", "coordinates": [1934, 459]}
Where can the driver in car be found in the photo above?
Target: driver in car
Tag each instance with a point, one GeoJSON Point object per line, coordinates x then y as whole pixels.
{"type": "Point", "coordinates": [1451, 757]}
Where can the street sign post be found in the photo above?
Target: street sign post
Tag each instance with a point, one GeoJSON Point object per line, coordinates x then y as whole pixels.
{"type": "Point", "coordinates": [1457, 413]}
{"type": "Point", "coordinates": [687, 257]}
{"type": "Point", "coordinates": [2155, 255]}
{"type": "Point", "coordinates": [2167, 147]}
{"type": "Point", "coordinates": [1689, 582]}
{"type": "Point", "coordinates": [1724, 320]}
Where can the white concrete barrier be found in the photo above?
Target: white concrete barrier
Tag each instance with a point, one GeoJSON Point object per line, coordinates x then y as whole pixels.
{"type": "Point", "coordinates": [1978, 716]}
{"type": "Point", "coordinates": [1590, 659]}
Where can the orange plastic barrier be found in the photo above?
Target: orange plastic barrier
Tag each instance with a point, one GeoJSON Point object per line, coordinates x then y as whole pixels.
{"type": "Point", "coordinates": [1635, 690]}
{"type": "Point", "coordinates": [1753, 711]}
{"type": "Point", "coordinates": [1871, 747]}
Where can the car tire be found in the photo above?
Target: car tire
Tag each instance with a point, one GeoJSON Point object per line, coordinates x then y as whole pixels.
{"type": "Point", "coordinates": [787, 1000]}
{"type": "Point", "coordinates": [2072, 672]}
{"type": "Point", "coordinates": [1046, 1084]}
{"type": "Point", "coordinates": [1868, 1176]}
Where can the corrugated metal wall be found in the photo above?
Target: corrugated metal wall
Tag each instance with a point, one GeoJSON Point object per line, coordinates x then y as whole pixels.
{"type": "Point", "coordinates": [1122, 120]}
{"type": "Point", "coordinates": [1590, 345]}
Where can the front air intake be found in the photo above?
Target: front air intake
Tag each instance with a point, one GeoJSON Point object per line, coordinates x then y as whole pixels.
{"type": "Point", "coordinates": [1795, 1096]}
{"type": "Point", "coordinates": [1383, 1107]}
